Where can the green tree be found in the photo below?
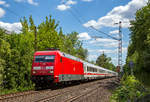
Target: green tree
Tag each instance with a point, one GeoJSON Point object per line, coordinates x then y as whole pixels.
{"type": "Point", "coordinates": [73, 46]}
{"type": "Point", "coordinates": [47, 35]}
{"type": "Point", "coordinates": [16, 50]}
{"type": "Point", "coordinates": [105, 62]}
{"type": "Point", "coordinates": [139, 47]}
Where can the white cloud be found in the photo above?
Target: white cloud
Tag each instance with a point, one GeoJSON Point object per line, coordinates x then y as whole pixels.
{"type": "Point", "coordinates": [91, 57]}
{"type": "Point", "coordinates": [94, 53]}
{"type": "Point", "coordinates": [4, 3]}
{"type": "Point", "coordinates": [119, 13]}
{"type": "Point", "coordinates": [2, 12]}
{"type": "Point", "coordinates": [87, 0]}
{"type": "Point", "coordinates": [107, 51]}
{"type": "Point", "coordinates": [108, 45]}
{"type": "Point", "coordinates": [70, 2]}
{"type": "Point", "coordinates": [102, 40]}
{"type": "Point", "coordinates": [91, 23]}
{"type": "Point", "coordinates": [124, 49]}
{"type": "Point", "coordinates": [32, 2]}
{"type": "Point", "coordinates": [20, 0]}
{"type": "Point", "coordinates": [111, 51]}
{"type": "Point", "coordinates": [84, 36]}
{"type": "Point", "coordinates": [63, 7]}
{"type": "Point", "coordinates": [67, 5]}
{"type": "Point", "coordinates": [11, 27]}
{"type": "Point", "coordinates": [114, 32]}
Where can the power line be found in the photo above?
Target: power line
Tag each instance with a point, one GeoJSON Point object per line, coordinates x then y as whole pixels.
{"type": "Point", "coordinates": [13, 12]}
{"type": "Point", "coordinates": [9, 10]}
{"type": "Point", "coordinates": [77, 18]}
{"type": "Point", "coordinates": [118, 39]}
{"type": "Point", "coordinates": [104, 33]}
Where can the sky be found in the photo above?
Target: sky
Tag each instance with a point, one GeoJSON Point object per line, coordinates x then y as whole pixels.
{"type": "Point", "coordinates": [79, 16]}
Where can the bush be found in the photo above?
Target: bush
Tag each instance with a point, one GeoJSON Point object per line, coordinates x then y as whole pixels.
{"type": "Point", "coordinates": [130, 90]}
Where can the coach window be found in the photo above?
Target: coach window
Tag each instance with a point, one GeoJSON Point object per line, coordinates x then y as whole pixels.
{"type": "Point", "coordinates": [102, 71]}
{"type": "Point", "coordinates": [93, 69]}
{"type": "Point", "coordinates": [88, 69]}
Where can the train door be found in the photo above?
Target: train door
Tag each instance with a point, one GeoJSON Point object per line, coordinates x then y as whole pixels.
{"type": "Point", "coordinates": [85, 71]}
{"type": "Point", "coordinates": [61, 77]}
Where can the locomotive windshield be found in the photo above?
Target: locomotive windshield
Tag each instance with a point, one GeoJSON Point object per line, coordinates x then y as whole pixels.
{"type": "Point", "coordinates": [45, 58]}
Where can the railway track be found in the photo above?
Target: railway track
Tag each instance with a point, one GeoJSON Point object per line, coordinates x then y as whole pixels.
{"type": "Point", "coordinates": [66, 94]}
{"type": "Point", "coordinates": [58, 96]}
{"type": "Point", "coordinates": [63, 94]}
{"type": "Point", "coordinates": [15, 95]}
{"type": "Point", "coordinates": [73, 94]}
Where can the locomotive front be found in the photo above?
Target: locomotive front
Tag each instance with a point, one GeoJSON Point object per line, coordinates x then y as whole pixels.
{"type": "Point", "coordinates": [42, 71]}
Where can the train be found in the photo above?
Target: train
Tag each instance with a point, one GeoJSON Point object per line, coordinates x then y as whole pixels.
{"type": "Point", "coordinates": [54, 66]}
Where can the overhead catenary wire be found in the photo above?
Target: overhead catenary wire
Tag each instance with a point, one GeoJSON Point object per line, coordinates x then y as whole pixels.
{"type": "Point", "coordinates": [104, 33]}
{"type": "Point", "coordinates": [80, 21]}
{"type": "Point", "coordinates": [77, 18]}
{"type": "Point", "coordinates": [12, 12]}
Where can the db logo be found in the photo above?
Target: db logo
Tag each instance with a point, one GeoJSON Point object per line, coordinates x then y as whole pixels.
{"type": "Point", "coordinates": [74, 69]}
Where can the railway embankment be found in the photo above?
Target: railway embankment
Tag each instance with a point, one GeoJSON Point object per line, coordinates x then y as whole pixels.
{"type": "Point", "coordinates": [94, 91]}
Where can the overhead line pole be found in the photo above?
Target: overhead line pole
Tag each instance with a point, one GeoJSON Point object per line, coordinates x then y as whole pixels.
{"type": "Point", "coordinates": [120, 47]}
{"type": "Point", "coordinates": [119, 43]}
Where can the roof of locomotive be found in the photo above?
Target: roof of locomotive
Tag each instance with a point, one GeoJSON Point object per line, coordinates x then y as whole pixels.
{"type": "Point", "coordinates": [53, 52]}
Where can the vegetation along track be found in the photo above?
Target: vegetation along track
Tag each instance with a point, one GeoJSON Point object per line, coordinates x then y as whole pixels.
{"type": "Point", "coordinates": [66, 94]}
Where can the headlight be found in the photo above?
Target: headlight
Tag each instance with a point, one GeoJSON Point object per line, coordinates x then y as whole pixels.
{"type": "Point", "coordinates": [49, 67]}
{"type": "Point", "coordinates": [36, 68]}
{"type": "Point", "coordinates": [34, 72]}
{"type": "Point", "coordinates": [50, 71]}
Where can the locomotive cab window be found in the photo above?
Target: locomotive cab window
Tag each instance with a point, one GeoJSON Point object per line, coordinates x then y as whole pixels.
{"type": "Point", "coordinates": [45, 58]}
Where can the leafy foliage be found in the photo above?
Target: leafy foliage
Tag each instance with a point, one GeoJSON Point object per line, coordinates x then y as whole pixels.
{"type": "Point", "coordinates": [16, 51]}
{"type": "Point", "coordinates": [105, 62]}
{"type": "Point", "coordinates": [133, 87]}
{"type": "Point", "coordinates": [130, 90]}
{"type": "Point", "coordinates": [139, 47]}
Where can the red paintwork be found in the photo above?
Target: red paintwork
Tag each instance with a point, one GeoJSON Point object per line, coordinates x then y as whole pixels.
{"type": "Point", "coordinates": [67, 66]}
{"type": "Point", "coordinates": [70, 66]}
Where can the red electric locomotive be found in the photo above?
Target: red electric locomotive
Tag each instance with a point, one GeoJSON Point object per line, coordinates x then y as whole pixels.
{"type": "Point", "coordinates": [55, 66]}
